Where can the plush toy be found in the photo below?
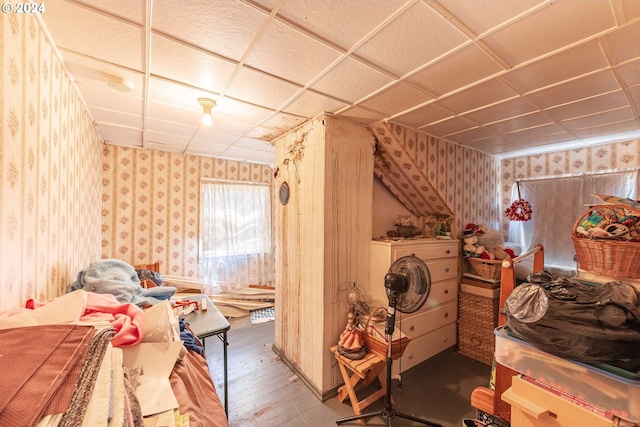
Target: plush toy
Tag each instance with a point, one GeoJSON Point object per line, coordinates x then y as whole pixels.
{"type": "Point", "coordinates": [471, 246]}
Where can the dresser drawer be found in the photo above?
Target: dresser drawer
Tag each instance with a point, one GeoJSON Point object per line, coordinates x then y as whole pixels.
{"type": "Point", "coordinates": [426, 346]}
{"type": "Point", "coordinates": [429, 251]}
{"type": "Point", "coordinates": [425, 321]}
{"type": "Point", "coordinates": [442, 292]}
{"type": "Point", "coordinates": [443, 269]}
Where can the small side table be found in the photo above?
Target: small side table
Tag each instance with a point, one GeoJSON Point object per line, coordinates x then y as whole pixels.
{"type": "Point", "coordinates": [353, 372]}
{"type": "Point", "coordinates": [207, 323]}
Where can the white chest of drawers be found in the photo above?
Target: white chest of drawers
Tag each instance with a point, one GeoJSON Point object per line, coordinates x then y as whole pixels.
{"type": "Point", "coordinates": [433, 327]}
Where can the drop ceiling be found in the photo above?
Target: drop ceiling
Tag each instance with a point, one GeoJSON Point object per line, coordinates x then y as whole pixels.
{"type": "Point", "coordinates": [501, 76]}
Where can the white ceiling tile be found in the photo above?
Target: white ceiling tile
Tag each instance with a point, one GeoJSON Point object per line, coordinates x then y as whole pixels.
{"type": "Point", "coordinates": [491, 144]}
{"type": "Point", "coordinates": [635, 94]}
{"type": "Point", "coordinates": [116, 118]}
{"type": "Point", "coordinates": [226, 27]}
{"type": "Point", "coordinates": [242, 111]}
{"type": "Point", "coordinates": [160, 146]}
{"type": "Point", "coordinates": [273, 91]}
{"type": "Point", "coordinates": [211, 147]}
{"type": "Point", "coordinates": [254, 144]}
{"type": "Point", "coordinates": [585, 87]}
{"type": "Point", "coordinates": [481, 95]}
{"type": "Point", "coordinates": [204, 71]}
{"type": "Point", "coordinates": [125, 9]}
{"type": "Point", "coordinates": [171, 93]}
{"type": "Point", "coordinates": [566, 65]}
{"type": "Point", "coordinates": [264, 133]}
{"type": "Point", "coordinates": [165, 139]}
{"type": "Point", "coordinates": [121, 136]}
{"type": "Point", "coordinates": [122, 46]}
{"type": "Point", "coordinates": [230, 125]}
{"type": "Point", "coordinates": [538, 131]}
{"type": "Point", "coordinates": [607, 129]}
{"type": "Point", "coordinates": [502, 111]}
{"type": "Point", "coordinates": [620, 43]}
{"type": "Point", "coordinates": [449, 126]}
{"type": "Point", "coordinates": [630, 73]}
{"type": "Point", "coordinates": [416, 37]}
{"type": "Point", "coordinates": [520, 122]}
{"type": "Point", "coordinates": [351, 80]}
{"type": "Point", "coordinates": [631, 9]}
{"type": "Point", "coordinates": [470, 135]}
{"type": "Point", "coordinates": [540, 140]}
{"type": "Point", "coordinates": [211, 135]}
{"type": "Point", "coordinates": [111, 100]}
{"type": "Point", "coordinates": [618, 115]}
{"type": "Point", "coordinates": [361, 115]}
{"type": "Point", "coordinates": [589, 106]}
{"type": "Point", "coordinates": [309, 103]}
{"type": "Point", "coordinates": [481, 16]}
{"type": "Point", "coordinates": [283, 121]}
{"type": "Point", "coordinates": [421, 116]}
{"type": "Point", "coordinates": [454, 73]}
{"type": "Point", "coordinates": [171, 113]}
{"type": "Point", "coordinates": [343, 23]}
{"type": "Point", "coordinates": [169, 128]}
{"type": "Point", "coordinates": [280, 46]}
{"type": "Point", "coordinates": [243, 153]}
{"type": "Point", "coordinates": [532, 37]}
{"type": "Point", "coordinates": [396, 99]}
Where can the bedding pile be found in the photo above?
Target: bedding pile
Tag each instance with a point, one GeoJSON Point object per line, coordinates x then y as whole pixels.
{"type": "Point", "coordinates": [98, 359]}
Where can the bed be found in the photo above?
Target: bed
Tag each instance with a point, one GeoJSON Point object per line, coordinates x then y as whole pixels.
{"type": "Point", "coordinates": [101, 362]}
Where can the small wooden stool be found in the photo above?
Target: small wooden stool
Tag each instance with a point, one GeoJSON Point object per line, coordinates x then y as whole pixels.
{"type": "Point", "coordinates": [366, 370]}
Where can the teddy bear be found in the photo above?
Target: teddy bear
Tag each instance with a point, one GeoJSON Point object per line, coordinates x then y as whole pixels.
{"type": "Point", "coordinates": [471, 247]}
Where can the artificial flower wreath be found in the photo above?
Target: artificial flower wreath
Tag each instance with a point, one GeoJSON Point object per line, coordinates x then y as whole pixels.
{"type": "Point", "coordinates": [520, 210]}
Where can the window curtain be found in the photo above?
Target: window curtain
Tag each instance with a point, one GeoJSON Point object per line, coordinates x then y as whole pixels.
{"type": "Point", "coordinates": [235, 236]}
{"type": "Point", "coordinates": [556, 204]}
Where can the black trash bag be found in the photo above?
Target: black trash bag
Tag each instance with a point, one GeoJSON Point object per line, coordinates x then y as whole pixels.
{"type": "Point", "coordinates": [572, 320]}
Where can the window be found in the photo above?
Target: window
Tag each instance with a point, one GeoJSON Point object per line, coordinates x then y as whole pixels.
{"type": "Point", "coordinates": [235, 235]}
{"type": "Point", "coordinates": [557, 203]}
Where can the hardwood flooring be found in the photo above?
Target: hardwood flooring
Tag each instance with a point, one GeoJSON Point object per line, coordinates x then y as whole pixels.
{"type": "Point", "coordinates": [264, 392]}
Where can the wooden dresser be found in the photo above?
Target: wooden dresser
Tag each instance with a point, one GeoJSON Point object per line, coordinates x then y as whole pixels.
{"type": "Point", "coordinates": [432, 328]}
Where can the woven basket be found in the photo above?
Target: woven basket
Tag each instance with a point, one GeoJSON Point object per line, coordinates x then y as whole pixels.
{"type": "Point", "coordinates": [380, 347]}
{"type": "Point", "coordinates": [487, 268]}
{"type": "Point", "coordinates": [619, 258]}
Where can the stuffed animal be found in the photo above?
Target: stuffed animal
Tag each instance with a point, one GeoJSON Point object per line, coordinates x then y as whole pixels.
{"type": "Point", "coordinates": [471, 246]}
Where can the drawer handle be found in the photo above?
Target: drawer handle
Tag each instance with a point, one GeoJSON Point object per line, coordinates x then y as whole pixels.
{"type": "Point", "coordinates": [446, 291]}
{"type": "Point", "coordinates": [448, 251]}
{"type": "Point", "coordinates": [446, 270]}
{"type": "Point", "coordinates": [446, 315]}
{"type": "Point", "coordinates": [411, 356]}
{"type": "Point", "coordinates": [412, 328]}
{"type": "Point", "coordinates": [445, 339]}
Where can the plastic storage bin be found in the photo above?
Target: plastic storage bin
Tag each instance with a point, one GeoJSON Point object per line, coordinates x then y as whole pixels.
{"type": "Point", "coordinates": [618, 393]}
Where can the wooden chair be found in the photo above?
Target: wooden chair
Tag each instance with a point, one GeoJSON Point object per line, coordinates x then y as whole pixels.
{"type": "Point", "coordinates": [482, 398]}
{"type": "Point", "coordinates": [151, 267]}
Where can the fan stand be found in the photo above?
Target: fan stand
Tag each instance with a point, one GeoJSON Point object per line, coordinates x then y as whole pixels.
{"type": "Point", "coordinates": [388, 412]}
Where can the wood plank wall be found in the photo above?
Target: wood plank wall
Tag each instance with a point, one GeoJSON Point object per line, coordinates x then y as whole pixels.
{"type": "Point", "coordinates": [322, 240]}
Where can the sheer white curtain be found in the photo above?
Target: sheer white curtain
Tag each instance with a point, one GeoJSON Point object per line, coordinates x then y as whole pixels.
{"type": "Point", "coordinates": [235, 235]}
{"type": "Point", "coordinates": [557, 203]}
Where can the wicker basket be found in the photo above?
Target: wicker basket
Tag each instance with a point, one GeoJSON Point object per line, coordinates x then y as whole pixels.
{"type": "Point", "coordinates": [487, 268]}
{"type": "Point", "coordinates": [619, 258]}
{"type": "Point", "coordinates": [380, 347]}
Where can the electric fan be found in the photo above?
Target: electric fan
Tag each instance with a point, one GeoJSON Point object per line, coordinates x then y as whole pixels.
{"type": "Point", "coordinates": [407, 284]}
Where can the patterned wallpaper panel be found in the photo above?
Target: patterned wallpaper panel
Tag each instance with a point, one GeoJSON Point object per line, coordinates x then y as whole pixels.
{"type": "Point", "coordinates": [465, 178]}
{"type": "Point", "coordinates": [50, 161]}
{"type": "Point", "coordinates": [150, 205]}
{"type": "Point", "coordinates": [619, 155]}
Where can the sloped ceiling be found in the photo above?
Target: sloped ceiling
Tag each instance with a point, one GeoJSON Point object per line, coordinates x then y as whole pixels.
{"type": "Point", "coordinates": [501, 76]}
{"type": "Point", "coordinates": [398, 171]}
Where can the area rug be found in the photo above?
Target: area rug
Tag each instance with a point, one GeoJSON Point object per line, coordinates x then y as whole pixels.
{"type": "Point", "coordinates": [262, 315]}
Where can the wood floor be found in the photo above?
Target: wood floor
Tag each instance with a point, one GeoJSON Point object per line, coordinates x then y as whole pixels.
{"type": "Point", "coordinates": [264, 392]}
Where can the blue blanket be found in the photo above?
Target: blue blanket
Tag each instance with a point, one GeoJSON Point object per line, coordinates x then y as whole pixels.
{"type": "Point", "coordinates": [113, 276]}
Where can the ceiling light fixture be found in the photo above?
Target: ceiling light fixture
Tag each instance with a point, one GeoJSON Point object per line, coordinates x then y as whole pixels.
{"type": "Point", "coordinates": [119, 83]}
{"type": "Point", "coordinates": [207, 106]}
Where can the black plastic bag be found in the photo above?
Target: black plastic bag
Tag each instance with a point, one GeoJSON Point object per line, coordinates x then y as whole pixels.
{"type": "Point", "coordinates": [577, 321]}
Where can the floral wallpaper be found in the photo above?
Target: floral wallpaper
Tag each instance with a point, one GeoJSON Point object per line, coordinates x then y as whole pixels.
{"type": "Point", "coordinates": [50, 157]}
{"type": "Point", "coordinates": [619, 155]}
{"type": "Point", "coordinates": [151, 204]}
{"type": "Point", "coordinates": [465, 178]}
